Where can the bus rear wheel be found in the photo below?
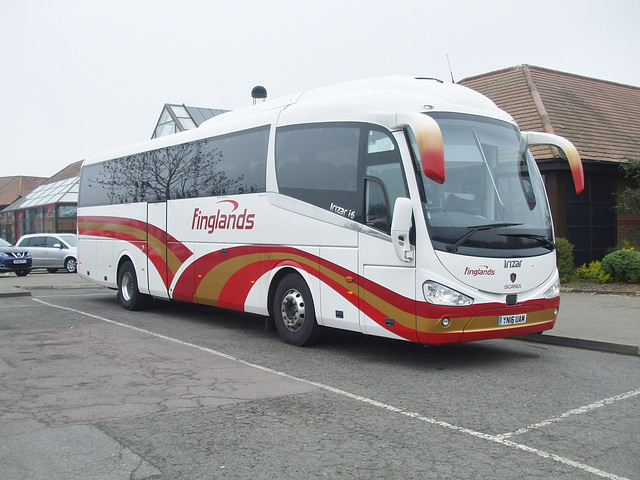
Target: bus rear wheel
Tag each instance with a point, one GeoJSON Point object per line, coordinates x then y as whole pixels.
{"type": "Point", "coordinates": [128, 293]}
{"type": "Point", "coordinates": [294, 313]}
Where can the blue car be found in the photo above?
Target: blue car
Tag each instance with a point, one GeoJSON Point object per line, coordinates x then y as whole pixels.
{"type": "Point", "coordinates": [14, 259]}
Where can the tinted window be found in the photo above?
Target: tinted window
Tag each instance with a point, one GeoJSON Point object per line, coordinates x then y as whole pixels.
{"type": "Point", "coordinates": [318, 164]}
{"type": "Point", "coordinates": [52, 241]}
{"type": "Point", "coordinates": [39, 242]}
{"type": "Point", "coordinates": [324, 164]}
{"type": "Point", "coordinates": [233, 164]}
{"type": "Point", "coordinates": [225, 165]}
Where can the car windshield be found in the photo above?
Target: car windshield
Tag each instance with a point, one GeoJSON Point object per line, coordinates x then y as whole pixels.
{"type": "Point", "coordinates": [71, 239]}
{"type": "Point", "coordinates": [493, 201]}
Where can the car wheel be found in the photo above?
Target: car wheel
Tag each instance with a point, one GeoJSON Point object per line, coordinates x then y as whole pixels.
{"type": "Point", "coordinates": [294, 313]}
{"type": "Point", "coordinates": [128, 293]}
{"type": "Point", "coordinates": [52, 270]}
{"type": "Point", "coordinates": [70, 265]}
{"type": "Point", "coordinates": [22, 273]}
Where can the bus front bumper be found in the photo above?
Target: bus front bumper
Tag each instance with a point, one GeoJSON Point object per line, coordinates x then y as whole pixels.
{"type": "Point", "coordinates": [488, 323]}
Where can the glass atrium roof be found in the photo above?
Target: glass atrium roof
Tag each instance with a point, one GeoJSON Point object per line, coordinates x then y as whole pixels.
{"type": "Point", "coordinates": [177, 118]}
{"type": "Point", "coordinates": [63, 191]}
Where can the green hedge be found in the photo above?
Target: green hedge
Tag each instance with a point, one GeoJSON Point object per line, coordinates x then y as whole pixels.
{"type": "Point", "coordinates": [564, 259]}
{"type": "Point", "coordinates": [623, 265]}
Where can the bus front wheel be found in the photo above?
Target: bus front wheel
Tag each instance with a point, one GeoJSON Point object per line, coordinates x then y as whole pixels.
{"type": "Point", "coordinates": [128, 293]}
{"type": "Point", "coordinates": [294, 313]}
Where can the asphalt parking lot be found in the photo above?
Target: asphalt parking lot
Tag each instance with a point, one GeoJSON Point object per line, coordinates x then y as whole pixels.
{"type": "Point", "coordinates": [179, 391]}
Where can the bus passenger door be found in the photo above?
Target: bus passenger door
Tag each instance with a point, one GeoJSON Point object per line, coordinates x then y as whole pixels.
{"type": "Point", "coordinates": [157, 268]}
{"type": "Point", "coordinates": [387, 290]}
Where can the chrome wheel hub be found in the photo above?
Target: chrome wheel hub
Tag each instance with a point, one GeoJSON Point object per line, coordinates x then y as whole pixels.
{"type": "Point", "coordinates": [127, 286]}
{"type": "Point", "coordinates": [293, 310]}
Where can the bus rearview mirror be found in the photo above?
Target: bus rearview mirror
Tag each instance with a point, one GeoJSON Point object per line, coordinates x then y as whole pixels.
{"type": "Point", "coordinates": [539, 138]}
{"type": "Point", "coordinates": [426, 140]}
{"type": "Point", "coordinates": [400, 229]}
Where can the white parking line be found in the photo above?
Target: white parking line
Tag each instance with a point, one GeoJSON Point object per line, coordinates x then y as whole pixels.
{"type": "Point", "coordinates": [575, 411]}
{"type": "Point", "coordinates": [502, 439]}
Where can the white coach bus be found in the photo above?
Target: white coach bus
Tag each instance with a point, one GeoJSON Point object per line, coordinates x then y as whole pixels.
{"type": "Point", "coordinates": [399, 207]}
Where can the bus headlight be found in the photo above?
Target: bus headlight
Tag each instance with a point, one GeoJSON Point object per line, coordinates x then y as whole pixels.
{"type": "Point", "coordinates": [438, 294]}
{"type": "Point", "coordinates": [553, 291]}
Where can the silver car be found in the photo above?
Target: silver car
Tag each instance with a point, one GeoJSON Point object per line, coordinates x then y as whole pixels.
{"type": "Point", "coordinates": [52, 250]}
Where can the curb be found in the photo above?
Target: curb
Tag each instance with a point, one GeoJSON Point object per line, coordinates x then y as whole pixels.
{"type": "Point", "coordinates": [15, 292]}
{"type": "Point", "coordinates": [581, 343]}
{"type": "Point", "coordinates": [595, 292]}
{"type": "Point", "coordinates": [26, 291]}
{"type": "Point", "coordinates": [63, 287]}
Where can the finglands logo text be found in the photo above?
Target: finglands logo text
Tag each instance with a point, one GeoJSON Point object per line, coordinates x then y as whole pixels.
{"type": "Point", "coordinates": [223, 221]}
{"type": "Point", "coordinates": [482, 270]}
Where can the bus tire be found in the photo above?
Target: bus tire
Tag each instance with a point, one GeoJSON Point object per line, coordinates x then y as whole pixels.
{"type": "Point", "coordinates": [294, 313]}
{"type": "Point", "coordinates": [128, 293]}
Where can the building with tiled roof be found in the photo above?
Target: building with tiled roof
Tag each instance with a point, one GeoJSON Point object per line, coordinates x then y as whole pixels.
{"type": "Point", "coordinates": [69, 171]}
{"type": "Point", "coordinates": [602, 119]}
{"type": "Point", "coordinates": [50, 207]}
{"type": "Point", "coordinates": [12, 189]}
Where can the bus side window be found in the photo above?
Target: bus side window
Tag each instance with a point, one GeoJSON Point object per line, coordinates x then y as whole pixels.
{"type": "Point", "coordinates": [318, 164]}
{"type": "Point", "coordinates": [383, 163]}
{"type": "Point", "coordinates": [376, 205]}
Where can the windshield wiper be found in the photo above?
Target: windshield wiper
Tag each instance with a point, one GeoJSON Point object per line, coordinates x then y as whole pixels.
{"type": "Point", "coordinates": [488, 226]}
{"type": "Point", "coordinates": [532, 236]}
{"type": "Point", "coordinates": [484, 159]}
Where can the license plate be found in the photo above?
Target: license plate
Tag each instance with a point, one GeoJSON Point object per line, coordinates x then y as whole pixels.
{"type": "Point", "coordinates": [512, 319]}
{"type": "Point", "coordinates": [18, 262]}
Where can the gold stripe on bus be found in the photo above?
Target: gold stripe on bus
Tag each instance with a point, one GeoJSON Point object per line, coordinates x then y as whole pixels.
{"type": "Point", "coordinates": [115, 227]}
{"type": "Point", "coordinates": [406, 319]}
{"type": "Point", "coordinates": [167, 256]}
{"type": "Point", "coordinates": [340, 280]}
{"type": "Point", "coordinates": [214, 280]}
{"type": "Point", "coordinates": [173, 262]}
{"type": "Point", "coordinates": [434, 325]}
{"type": "Point", "coordinates": [155, 244]}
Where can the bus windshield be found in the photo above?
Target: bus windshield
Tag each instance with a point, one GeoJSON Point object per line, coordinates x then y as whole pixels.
{"type": "Point", "coordinates": [493, 201]}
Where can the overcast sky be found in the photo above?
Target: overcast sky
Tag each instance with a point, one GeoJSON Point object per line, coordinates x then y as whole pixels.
{"type": "Point", "coordinates": [79, 77]}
